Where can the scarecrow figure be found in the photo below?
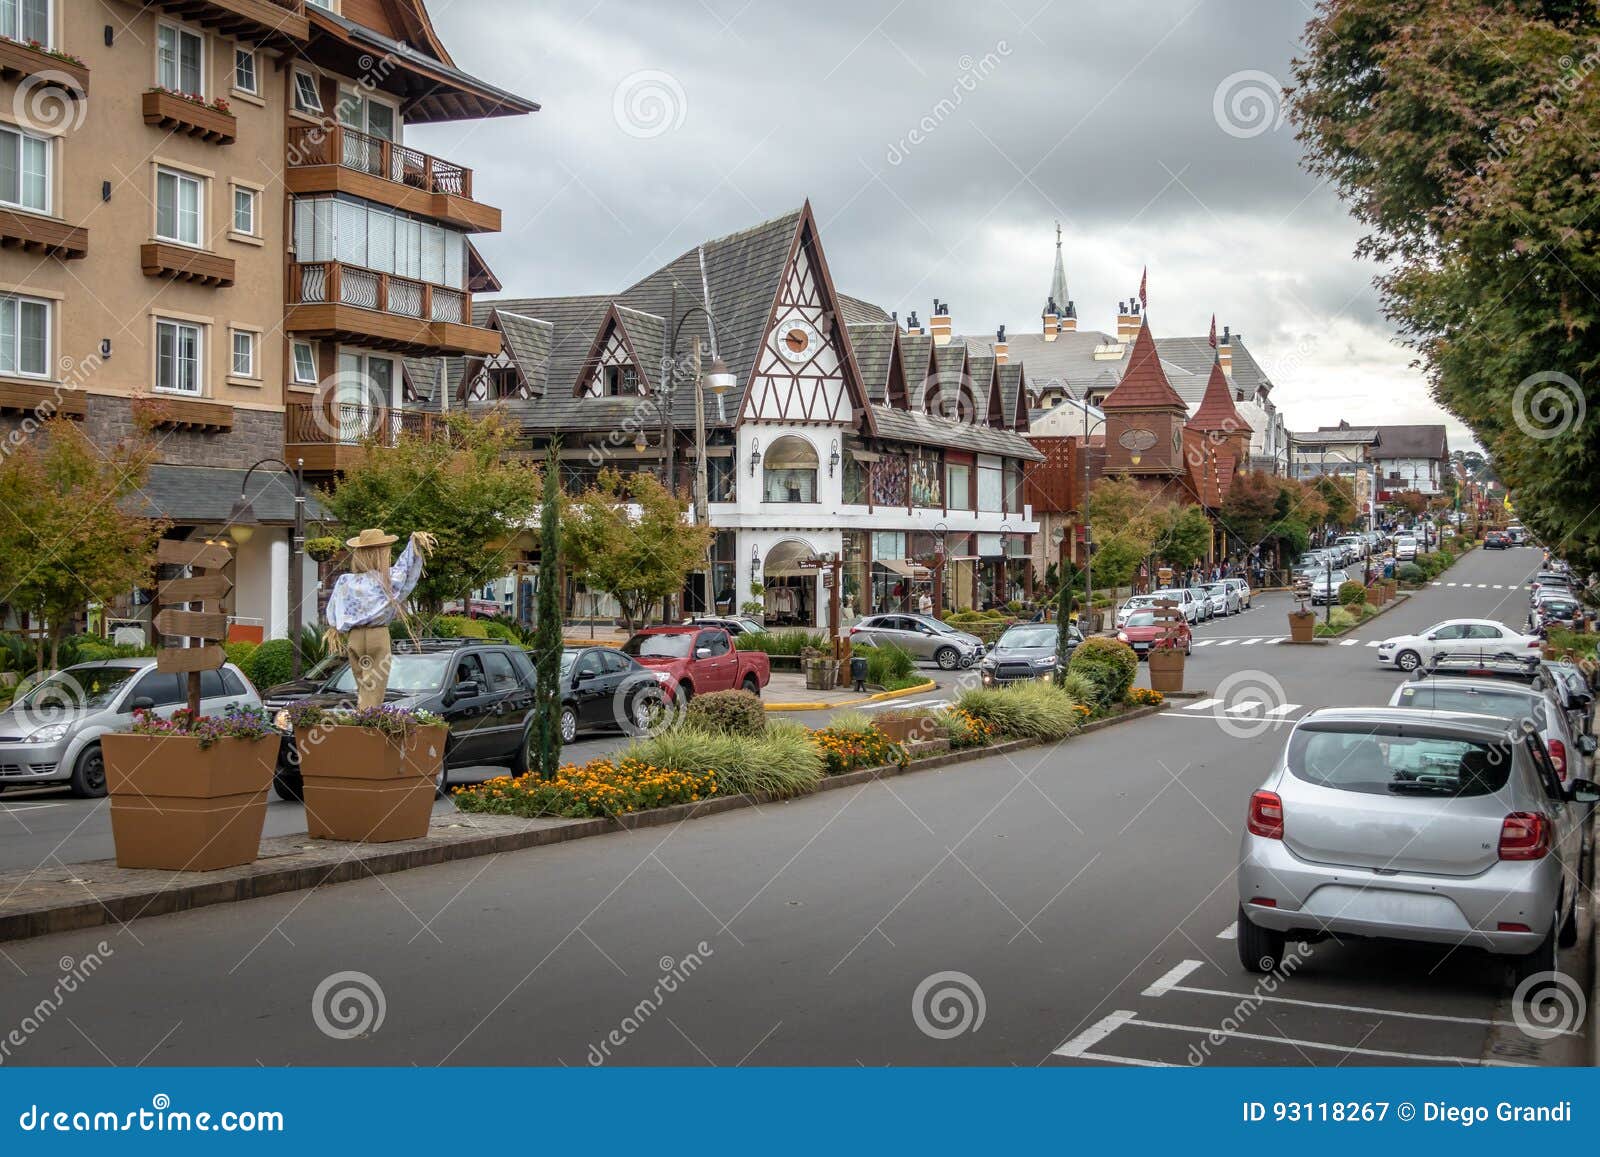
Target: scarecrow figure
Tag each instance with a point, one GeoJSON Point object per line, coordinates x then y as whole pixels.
{"type": "Point", "coordinates": [367, 599]}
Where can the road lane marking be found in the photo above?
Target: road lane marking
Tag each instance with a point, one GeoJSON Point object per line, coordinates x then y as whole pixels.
{"type": "Point", "coordinates": [1374, 642]}
{"type": "Point", "coordinates": [1348, 642]}
{"type": "Point", "coordinates": [1311, 1044]}
{"type": "Point", "coordinates": [900, 703]}
{"type": "Point", "coordinates": [1109, 1059]}
{"type": "Point", "coordinates": [1226, 642]}
{"type": "Point", "coordinates": [1284, 709]}
{"type": "Point", "coordinates": [1204, 642]}
{"type": "Point", "coordinates": [1270, 642]}
{"type": "Point", "coordinates": [1169, 979]}
{"type": "Point", "coordinates": [1095, 1033]}
{"type": "Point", "coordinates": [1202, 704]}
{"type": "Point", "coordinates": [1231, 931]}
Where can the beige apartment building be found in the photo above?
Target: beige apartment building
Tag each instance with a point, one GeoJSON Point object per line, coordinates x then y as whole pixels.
{"type": "Point", "coordinates": [211, 230]}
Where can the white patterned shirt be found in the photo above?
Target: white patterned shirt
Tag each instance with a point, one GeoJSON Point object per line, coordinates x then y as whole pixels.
{"type": "Point", "coordinates": [359, 600]}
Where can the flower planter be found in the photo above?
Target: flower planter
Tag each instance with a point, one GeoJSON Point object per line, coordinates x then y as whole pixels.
{"type": "Point", "coordinates": [905, 729]}
{"type": "Point", "coordinates": [1377, 594]}
{"type": "Point", "coordinates": [178, 808]}
{"type": "Point", "coordinates": [362, 786]}
{"type": "Point", "coordinates": [1166, 670]}
{"type": "Point", "coordinates": [1302, 626]}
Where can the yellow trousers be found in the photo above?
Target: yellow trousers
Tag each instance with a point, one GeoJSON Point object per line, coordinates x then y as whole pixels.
{"type": "Point", "coordinates": [368, 648]}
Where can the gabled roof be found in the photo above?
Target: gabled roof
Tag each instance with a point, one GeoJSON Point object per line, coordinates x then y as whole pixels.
{"type": "Point", "coordinates": [1014, 388]}
{"type": "Point", "coordinates": [873, 342]}
{"type": "Point", "coordinates": [1144, 385]}
{"type": "Point", "coordinates": [1427, 441]}
{"type": "Point", "coordinates": [1217, 411]}
{"type": "Point", "coordinates": [527, 342]}
{"type": "Point", "coordinates": [916, 357]}
{"type": "Point", "coordinates": [912, 426]}
{"type": "Point", "coordinates": [856, 311]}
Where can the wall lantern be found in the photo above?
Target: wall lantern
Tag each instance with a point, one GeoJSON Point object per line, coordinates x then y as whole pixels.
{"type": "Point", "coordinates": [640, 442]}
{"type": "Point", "coordinates": [833, 458]}
{"type": "Point", "coordinates": [755, 456]}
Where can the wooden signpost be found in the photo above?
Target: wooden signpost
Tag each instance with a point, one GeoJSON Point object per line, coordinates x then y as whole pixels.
{"type": "Point", "coordinates": [206, 627]}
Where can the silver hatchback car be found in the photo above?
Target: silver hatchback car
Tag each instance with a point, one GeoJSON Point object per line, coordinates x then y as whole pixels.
{"type": "Point", "coordinates": [52, 732]}
{"type": "Point", "coordinates": [923, 636]}
{"type": "Point", "coordinates": [1439, 827]}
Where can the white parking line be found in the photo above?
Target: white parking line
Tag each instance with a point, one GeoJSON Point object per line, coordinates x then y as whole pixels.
{"type": "Point", "coordinates": [1226, 642]}
{"type": "Point", "coordinates": [1169, 979]}
{"type": "Point", "coordinates": [1204, 642]}
{"type": "Point", "coordinates": [1374, 642]}
{"type": "Point", "coordinates": [1348, 642]}
{"type": "Point", "coordinates": [1202, 704]}
{"type": "Point", "coordinates": [1232, 930]}
{"type": "Point", "coordinates": [1284, 709]}
{"type": "Point", "coordinates": [1124, 1060]}
{"type": "Point", "coordinates": [1095, 1033]}
{"type": "Point", "coordinates": [900, 703]}
{"type": "Point", "coordinates": [1249, 642]}
{"type": "Point", "coordinates": [1349, 1050]}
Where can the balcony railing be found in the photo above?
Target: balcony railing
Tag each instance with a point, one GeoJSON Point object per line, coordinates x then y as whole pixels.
{"type": "Point", "coordinates": [353, 424]}
{"type": "Point", "coordinates": [363, 153]}
{"type": "Point", "coordinates": [333, 282]}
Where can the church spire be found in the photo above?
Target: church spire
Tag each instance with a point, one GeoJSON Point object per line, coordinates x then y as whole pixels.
{"type": "Point", "coordinates": [1058, 281]}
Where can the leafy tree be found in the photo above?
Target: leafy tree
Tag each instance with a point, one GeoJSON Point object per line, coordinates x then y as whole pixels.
{"type": "Point", "coordinates": [1185, 537]}
{"type": "Point", "coordinates": [462, 485]}
{"type": "Point", "coordinates": [65, 540]}
{"type": "Point", "coordinates": [1251, 507]}
{"type": "Point", "coordinates": [1411, 502]}
{"type": "Point", "coordinates": [1464, 135]}
{"type": "Point", "coordinates": [1125, 520]}
{"type": "Point", "coordinates": [631, 540]}
{"type": "Point", "coordinates": [1338, 497]}
{"type": "Point", "coordinates": [545, 748]}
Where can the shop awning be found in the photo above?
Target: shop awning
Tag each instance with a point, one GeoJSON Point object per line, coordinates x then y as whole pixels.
{"type": "Point", "coordinates": [904, 567]}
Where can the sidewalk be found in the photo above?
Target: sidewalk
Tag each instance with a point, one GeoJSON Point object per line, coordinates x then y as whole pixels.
{"type": "Point", "coordinates": [787, 691]}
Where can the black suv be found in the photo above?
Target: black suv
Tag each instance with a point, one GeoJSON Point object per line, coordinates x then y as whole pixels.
{"type": "Point", "coordinates": [482, 689]}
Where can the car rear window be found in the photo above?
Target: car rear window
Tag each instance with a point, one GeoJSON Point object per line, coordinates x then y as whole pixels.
{"type": "Point", "coordinates": [1474, 700]}
{"type": "Point", "coordinates": [1383, 763]}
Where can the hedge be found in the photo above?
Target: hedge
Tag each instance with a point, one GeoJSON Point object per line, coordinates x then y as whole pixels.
{"type": "Point", "coordinates": [1111, 664]}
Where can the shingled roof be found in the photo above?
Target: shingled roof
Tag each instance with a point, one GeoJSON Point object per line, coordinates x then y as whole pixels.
{"type": "Point", "coordinates": [1217, 411]}
{"type": "Point", "coordinates": [1144, 386]}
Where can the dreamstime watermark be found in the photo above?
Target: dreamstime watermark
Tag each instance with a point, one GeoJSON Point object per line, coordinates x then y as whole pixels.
{"type": "Point", "coordinates": [50, 102]}
{"type": "Point", "coordinates": [947, 1005]}
{"type": "Point", "coordinates": [971, 74]}
{"type": "Point", "coordinates": [1250, 1003]}
{"type": "Point", "coordinates": [1548, 404]}
{"type": "Point", "coordinates": [347, 1005]}
{"type": "Point", "coordinates": [1547, 1005]}
{"type": "Point", "coordinates": [1247, 703]}
{"type": "Point", "coordinates": [74, 374]}
{"type": "Point", "coordinates": [1248, 103]}
{"type": "Point", "coordinates": [1508, 135]}
{"type": "Point", "coordinates": [673, 974]}
{"type": "Point", "coordinates": [649, 103]}
{"type": "Point", "coordinates": [73, 974]}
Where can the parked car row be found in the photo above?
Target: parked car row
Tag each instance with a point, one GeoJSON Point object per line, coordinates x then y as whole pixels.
{"type": "Point", "coordinates": [1198, 603]}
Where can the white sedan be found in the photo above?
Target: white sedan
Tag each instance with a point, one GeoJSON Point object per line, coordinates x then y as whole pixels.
{"type": "Point", "coordinates": [1455, 637]}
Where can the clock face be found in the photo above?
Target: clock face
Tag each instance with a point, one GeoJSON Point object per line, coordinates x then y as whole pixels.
{"type": "Point", "coordinates": [1138, 439]}
{"type": "Point", "coordinates": [798, 341]}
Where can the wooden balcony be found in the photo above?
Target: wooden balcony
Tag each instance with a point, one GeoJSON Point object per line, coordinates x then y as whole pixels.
{"type": "Point", "coordinates": [341, 160]}
{"type": "Point", "coordinates": [181, 263]}
{"type": "Point", "coordinates": [45, 236]}
{"type": "Point", "coordinates": [331, 437]}
{"type": "Point", "coordinates": [257, 21]}
{"type": "Point", "coordinates": [328, 299]}
{"type": "Point", "coordinates": [20, 61]}
{"type": "Point", "coordinates": [177, 114]}
{"type": "Point", "coordinates": [42, 399]}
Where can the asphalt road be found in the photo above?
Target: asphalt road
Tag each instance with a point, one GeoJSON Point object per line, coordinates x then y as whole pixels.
{"type": "Point", "coordinates": [1080, 895]}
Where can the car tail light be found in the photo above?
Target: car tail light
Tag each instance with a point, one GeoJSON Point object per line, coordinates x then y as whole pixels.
{"type": "Point", "coordinates": [1508, 926]}
{"type": "Point", "coordinates": [1266, 815]}
{"type": "Point", "coordinates": [1263, 901]}
{"type": "Point", "coordinates": [1558, 757]}
{"type": "Point", "coordinates": [1524, 836]}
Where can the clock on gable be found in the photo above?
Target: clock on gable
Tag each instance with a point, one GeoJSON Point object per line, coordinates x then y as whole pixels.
{"type": "Point", "coordinates": [798, 341]}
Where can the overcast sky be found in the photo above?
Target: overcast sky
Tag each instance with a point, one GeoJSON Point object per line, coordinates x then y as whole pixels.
{"type": "Point", "coordinates": [939, 142]}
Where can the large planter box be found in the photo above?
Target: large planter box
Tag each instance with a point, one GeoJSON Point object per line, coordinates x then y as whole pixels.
{"type": "Point", "coordinates": [821, 674]}
{"type": "Point", "coordinates": [1166, 670]}
{"type": "Point", "coordinates": [1302, 626]}
{"type": "Point", "coordinates": [1377, 594]}
{"type": "Point", "coordinates": [908, 729]}
{"type": "Point", "coordinates": [178, 808]}
{"type": "Point", "coordinates": [363, 787]}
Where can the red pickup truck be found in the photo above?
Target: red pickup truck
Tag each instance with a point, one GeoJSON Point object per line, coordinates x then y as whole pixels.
{"type": "Point", "coordinates": [691, 660]}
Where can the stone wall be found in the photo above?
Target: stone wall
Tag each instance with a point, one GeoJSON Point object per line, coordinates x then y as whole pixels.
{"type": "Point", "coordinates": [256, 434]}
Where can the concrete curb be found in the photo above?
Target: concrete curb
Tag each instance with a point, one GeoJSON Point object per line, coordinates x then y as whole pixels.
{"type": "Point", "coordinates": [297, 863]}
{"type": "Point", "coordinates": [878, 697]}
{"type": "Point", "coordinates": [1400, 597]}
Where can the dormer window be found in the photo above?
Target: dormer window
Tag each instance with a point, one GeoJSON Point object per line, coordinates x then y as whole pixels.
{"type": "Point", "coordinates": [505, 381]}
{"type": "Point", "coordinates": [621, 381]}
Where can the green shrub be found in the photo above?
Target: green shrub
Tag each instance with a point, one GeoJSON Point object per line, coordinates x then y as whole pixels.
{"type": "Point", "coordinates": [731, 712]}
{"type": "Point", "coordinates": [1351, 592]}
{"type": "Point", "coordinates": [440, 627]}
{"type": "Point", "coordinates": [887, 666]}
{"type": "Point", "coordinates": [269, 664]}
{"type": "Point", "coordinates": [783, 642]}
{"type": "Point", "coordinates": [782, 761]}
{"type": "Point", "coordinates": [239, 653]}
{"type": "Point", "coordinates": [1031, 710]}
{"type": "Point", "coordinates": [1409, 572]}
{"type": "Point", "coordinates": [1080, 686]}
{"type": "Point", "coordinates": [1111, 666]}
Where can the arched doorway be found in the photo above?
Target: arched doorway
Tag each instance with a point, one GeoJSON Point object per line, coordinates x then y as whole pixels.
{"type": "Point", "coordinates": [791, 595]}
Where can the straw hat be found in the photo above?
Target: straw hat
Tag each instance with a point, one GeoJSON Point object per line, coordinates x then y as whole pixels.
{"type": "Point", "coordinates": [370, 537]}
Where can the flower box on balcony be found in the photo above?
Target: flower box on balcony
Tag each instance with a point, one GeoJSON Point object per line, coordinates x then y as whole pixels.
{"type": "Point", "coordinates": [183, 114]}
{"type": "Point", "coordinates": [61, 70]}
{"type": "Point", "coordinates": [164, 259]}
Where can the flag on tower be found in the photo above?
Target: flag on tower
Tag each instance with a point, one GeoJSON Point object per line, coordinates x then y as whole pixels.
{"type": "Point", "coordinates": [1143, 302]}
{"type": "Point", "coordinates": [1213, 331]}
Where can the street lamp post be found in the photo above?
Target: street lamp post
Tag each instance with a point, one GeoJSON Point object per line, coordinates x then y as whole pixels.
{"type": "Point", "coordinates": [721, 380]}
{"type": "Point", "coordinates": [244, 515]}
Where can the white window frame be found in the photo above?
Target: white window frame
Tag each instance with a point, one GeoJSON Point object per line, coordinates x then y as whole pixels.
{"type": "Point", "coordinates": [49, 37]}
{"type": "Point", "coordinates": [297, 76]}
{"type": "Point", "coordinates": [251, 370]}
{"type": "Point", "coordinates": [16, 330]}
{"type": "Point", "coordinates": [182, 30]}
{"type": "Point", "coordinates": [240, 50]}
{"type": "Point", "coordinates": [255, 211]}
{"type": "Point", "coordinates": [294, 362]}
{"type": "Point", "coordinates": [179, 175]}
{"type": "Point", "coordinates": [325, 5]}
{"type": "Point", "coordinates": [178, 325]}
{"type": "Point", "coordinates": [49, 168]}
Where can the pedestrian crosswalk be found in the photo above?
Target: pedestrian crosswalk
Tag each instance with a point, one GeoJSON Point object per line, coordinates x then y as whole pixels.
{"type": "Point", "coordinates": [1270, 640]}
{"type": "Point", "coordinates": [1242, 709]}
{"type": "Point", "coordinates": [1484, 586]}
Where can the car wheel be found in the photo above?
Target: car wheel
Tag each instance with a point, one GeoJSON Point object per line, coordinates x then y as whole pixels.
{"type": "Point", "coordinates": [948, 658]}
{"type": "Point", "coordinates": [89, 774]}
{"type": "Point", "coordinates": [1408, 660]}
{"type": "Point", "coordinates": [1568, 936]}
{"type": "Point", "coordinates": [751, 686]}
{"type": "Point", "coordinates": [441, 782]}
{"type": "Point", "coordinates": [1188, 648]}
{"type": "Point", "coordinates": [569, 725]}
{"type": "Point", "coordinates": [1260, 949]}
{"type": "Point", "coordinates": [1542, 960]}
{"type": "Point", "coordinates": [522, 758]}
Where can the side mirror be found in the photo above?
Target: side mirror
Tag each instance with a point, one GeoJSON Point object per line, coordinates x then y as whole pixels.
{"type": "Point", "coordinates": [702, 652]}
{"type": "Point", "coordinates": [141, 703]}
{"type": "Point", "coordinates": [582, 677]}
{"type": "Point", "coordinates": [1583, 791]}
{"type": "Point", "coordinates": [466, 689]}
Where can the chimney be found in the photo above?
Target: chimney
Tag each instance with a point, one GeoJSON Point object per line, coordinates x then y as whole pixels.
{"type": "Point", "coordinates": [1052, 320]}
{"type": "Point", "coordinates": [1127, 321]}
{"type": "Point", "coordinates": [913, 326]}
{"type": "Point", "coordinates": [1225, 353]}
{"type": "Point", "coordinates": [939, 322]}
{"type": "Point", "coordinates": [1069, 319]}
{"type": "Point", "coordinates": [1001, 347]}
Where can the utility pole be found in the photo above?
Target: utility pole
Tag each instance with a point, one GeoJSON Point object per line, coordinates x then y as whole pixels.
{"type": "Point", "coordinates": [702, 498]}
